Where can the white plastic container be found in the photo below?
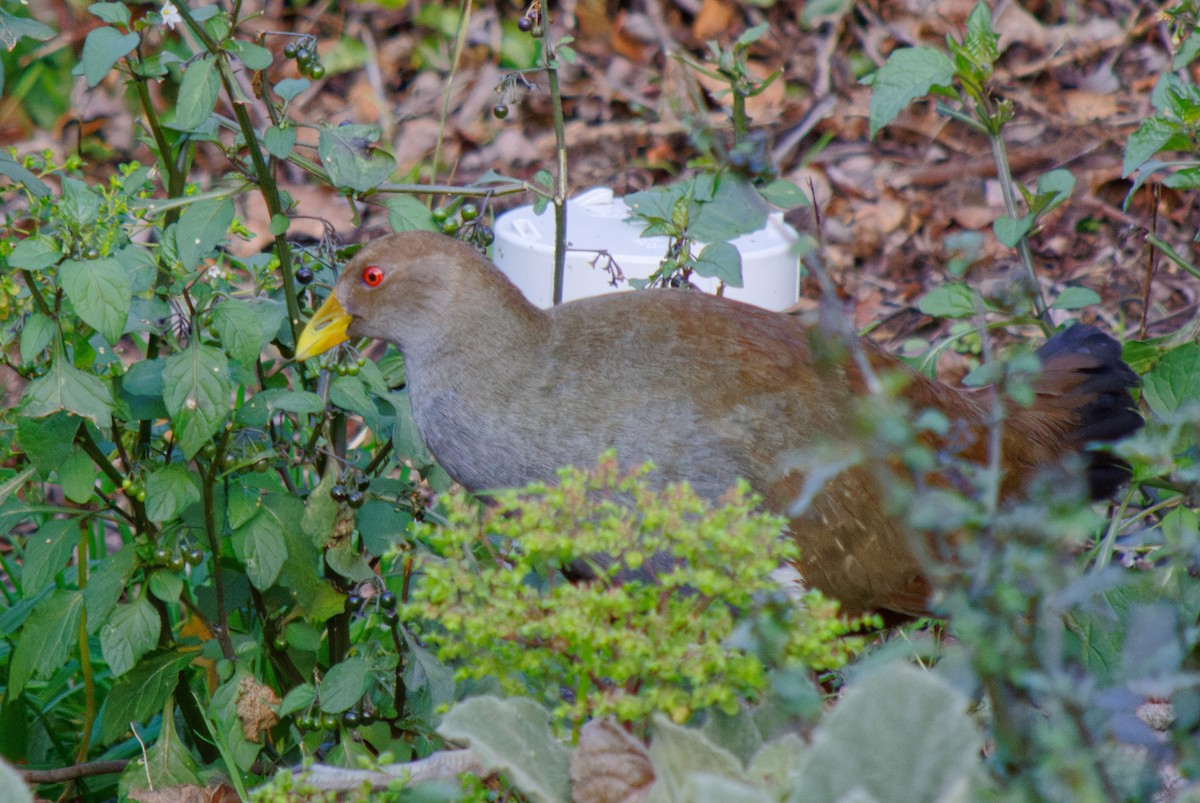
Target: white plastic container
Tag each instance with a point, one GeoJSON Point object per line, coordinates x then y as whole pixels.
{"type": "Point", "coordinates": [596, 220]}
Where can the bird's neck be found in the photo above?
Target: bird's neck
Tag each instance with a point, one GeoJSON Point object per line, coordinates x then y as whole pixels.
{"type": "Point", "coordinates": [488, 335]}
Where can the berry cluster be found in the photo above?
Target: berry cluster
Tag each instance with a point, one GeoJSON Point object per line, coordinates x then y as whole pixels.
{"type": "Point", "coordinates": [315, 720]}
{"type": "Point", "coordinates": [531, 23]}
{"type": "Point", "coordinates": [304, 51]}
{"type": "Point", "coordinates": [462, 220]}
{"type": "Point", "coordinates": [352, 496]}
{"type": "Point", "coordinates": [175, 559]}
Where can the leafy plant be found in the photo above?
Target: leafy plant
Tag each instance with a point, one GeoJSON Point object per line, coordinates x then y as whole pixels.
{"type": "Point", "coordinates": [667, 578]}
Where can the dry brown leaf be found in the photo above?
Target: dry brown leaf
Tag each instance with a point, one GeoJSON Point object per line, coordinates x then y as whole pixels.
{"type": "Point", "coordinates": [632, 37]}
{"type": "Point", "coordinates": [1016, 25]}
{"type": "Point", "coordinates": [609, 765]}
{"type": "Point", "coordinates": [1085, 106]}
{"type": "Point", "coordinates": [256, 708]}
{"type": "Point", "coordinates": [173, 794]}
{"type": "Point", "coordinates": [714, 19]}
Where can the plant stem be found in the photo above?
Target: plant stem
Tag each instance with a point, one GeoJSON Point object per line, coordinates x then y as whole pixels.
{"type": "Point", "coordinates": [1004, 172]}
{"type": "Point", "coordinates": [262, 171]}
{"type": "Point", "coordinates": [560, 190]}
{"type": "Point", "coordinates": [85, 656]}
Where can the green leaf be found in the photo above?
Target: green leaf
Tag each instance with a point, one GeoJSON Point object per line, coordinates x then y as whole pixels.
{"type": "Point", "coordinates": [36, 336]}
{"type": "Point", "coordinates": [909, 73]}
{"type": "Point", "coordinates": [197, 94]}
{"type": "Point", "coordinates": [279, 141]}
{"type": "Point", "coordinates": [49, 635]}
{"type": "Point", "coordinates": [290, 88]}
{"type": "Point", "coordinates": [47, 441]}
{"type": "Point", "coordinates": [1009, 231]}
{"type": "Point", "coordinates": [141, 389]}
{"type": "Point", "coordinates": [351, 159]}
{"type": "Point", "coordinates": [896, 716]}
{"type": "Point", "coordinates": [201, 227]}
{"type": "Point", "coordinates": [406, 213]}
{"type": "Point", "coordinates": [259, 409]}
{"type": "Point", "coordinates": [349, 393]}
{"type": "Point", "coordinates": [784, 194]}
{"type": "Point", "coordinates": [77, 476]}
{"type": "Point", "coordinates": [425, 674]}
{"type": "Point", "coordinates": [405, 437]}
{"type": "Point", "coordinates": [1076, 298]}
{"type": "Point", "coordinates": [101, 290]}
{"type": "Point", "coordinates": [140, 693]}
{"type": "Point", "coordinates": [298, 698]}
{"type": "Point", "coordinates": [1174, 382]}
{"type": "Point", "coordinates": [166, 585]}
{"type": "Point", "coordinates": [255, 57]}
{"type": "Point", "coordinates": [1151, 137]}
{"type": "Point", "coordinates": [107, 583]}
{"type": "Point", "coordinates": [9, 167]}
{"type": "Point", "coordinates": [168, 764]}
{"type": "Point", "coordinates": [103, 48]}
{"type": "Point", "coordinates": [310, 593]}
{"type": "Point", "coordinates": [772, 765]}
{"type": "Point", "coordinates": [129, 634]}
{"type": "Point", "coordinates": [735, 208]}
{"type": "Point", "coordinates": [320, 512]}
{"type": "Point", "coordinates": [242, 504]}
{"type": "Point", "coordinates": [953, 300]}
{"type": "Point", "coordinates": [196, 391]}
{"type": "Point", "coordinates": [10, 484]}
{"type": "Point", "coordinates": [46, 554]}
{"type": "Point", "coordinates": [1188, 50]}
{"type": "Point", "coordinates": [238, 325]}
{"type": "Point", "coordinates": [721, 260]}
{"type": "Point", "coordinates": [35, 253]}
{"type": "Point", "coordinates": [816, 11]}
{"type": "Point", "coordinates": [112, 13]}
{"type": "Point", "coordinates": [344, 685]}
{"type": "Point", "coordinates": [1054, 188]}
{"type": "Point", "coordinates": [513, 736]}
{"type": "Point", "coordinates": [259, 544]}
{"type": "Point", "coordinates": [678, 754]}
{"type": "Point", "coordinates": [381, 527]}
{"type": "Point", "coordinates": [169, 491]}
{"type": "Point", "coordinates": [13, 29]}
{"type": "Point", "coordinates": [65, 387]}
{"type": "Point", "coordinates": [79, 205]}
{"type": "Point", "coordinates": [303, 636]}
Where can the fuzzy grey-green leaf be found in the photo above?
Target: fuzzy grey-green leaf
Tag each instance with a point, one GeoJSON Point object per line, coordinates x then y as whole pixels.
{"type": "Point", "coordinates": [513, 735]}
{"type": "Point", "coordinates": [896, 716]}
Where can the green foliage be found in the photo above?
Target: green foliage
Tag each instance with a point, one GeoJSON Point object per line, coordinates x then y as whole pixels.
{"type": "Point", "coordinates": [173, 531]}
{"type": "Point", "coordinates": [650, 632]}
{"type": "Point", "coordinates": [711, 209]}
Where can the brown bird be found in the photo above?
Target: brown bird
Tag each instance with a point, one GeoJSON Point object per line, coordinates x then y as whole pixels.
{"type": "Point", "coordinates": [708, 389]}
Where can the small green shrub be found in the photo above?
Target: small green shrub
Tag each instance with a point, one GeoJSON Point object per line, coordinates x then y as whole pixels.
{"type": "Point", "coordinates": [632, 641]}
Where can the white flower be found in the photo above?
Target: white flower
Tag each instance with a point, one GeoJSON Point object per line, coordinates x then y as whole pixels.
{"type": "Point", "coordinates": [217, 272]}
{"type": "Point", "coordinates": [170, 15]}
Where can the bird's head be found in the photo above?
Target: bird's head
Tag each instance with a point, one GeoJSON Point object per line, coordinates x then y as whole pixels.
{"type": "Point", "coordinates": [396, 288]}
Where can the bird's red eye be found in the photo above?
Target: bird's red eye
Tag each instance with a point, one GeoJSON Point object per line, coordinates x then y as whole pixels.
{"type": "Point", "coordinates": [372, 276]}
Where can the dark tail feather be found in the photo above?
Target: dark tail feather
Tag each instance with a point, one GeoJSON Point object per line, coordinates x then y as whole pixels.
{"type": "Point", "coordinates": [1082, 369]}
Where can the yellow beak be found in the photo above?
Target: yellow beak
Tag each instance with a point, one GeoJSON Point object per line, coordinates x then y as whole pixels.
{"type": "Point", "coordinates": [326, 329]}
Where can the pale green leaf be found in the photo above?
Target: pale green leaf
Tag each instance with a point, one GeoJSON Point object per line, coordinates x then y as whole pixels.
{"type": "Point", "coordinates": [513, 736]}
